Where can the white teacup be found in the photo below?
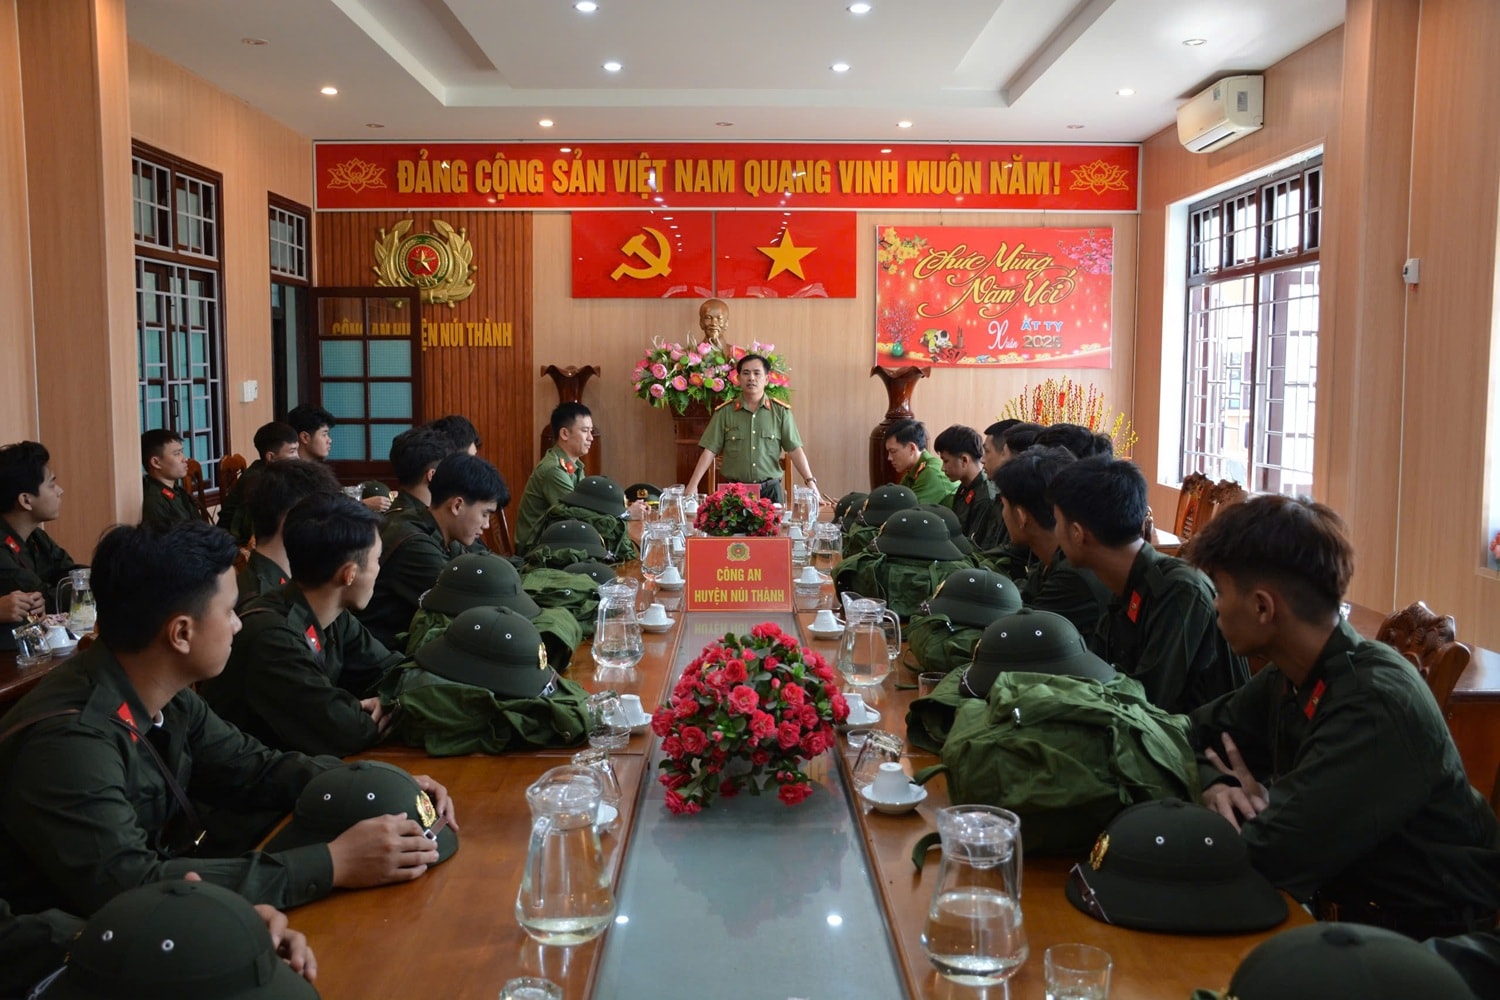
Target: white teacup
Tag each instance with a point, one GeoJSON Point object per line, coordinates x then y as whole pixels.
{"type": "Point", "coordinates": [58, 638]}
{"type": "Point", "coordinates": [824, 621]}
{"type": "Point", "coordinates": [656, 614]}
{"type": "Point", "coordinates": [669, 575]}
{"type": "Point", "coordinates": [810, 575]}
{"type": "Point", "coordinates": [890, 783]}
{"type": "Point", "coordinates": [631, 703]}
{"type": "Point", "coordinates": [856, 703]}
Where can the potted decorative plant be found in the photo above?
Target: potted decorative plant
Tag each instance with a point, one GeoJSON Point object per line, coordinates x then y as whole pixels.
{"type": "Point", "coordinates": [1065, 402]}
{"type": "Point", "coordinates": [678, 375]}
{"type": "Point", "coordinates": [744, 715]}
{"type": "Point", "coordinates": [737, 509]}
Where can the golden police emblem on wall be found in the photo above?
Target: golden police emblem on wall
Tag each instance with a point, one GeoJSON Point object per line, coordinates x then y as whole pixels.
{"type": "Point", "coordinates": [439, 263]}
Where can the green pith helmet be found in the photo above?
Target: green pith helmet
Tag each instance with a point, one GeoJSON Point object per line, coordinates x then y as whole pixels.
{"type": "Point", "coordinates": [950, 521]}
{"type": "Point", "coordinates": [571, 534]}
{"type": "Point", "coordinates": [491, 648]}
{"type": "Point", "coordinates": [916, 534]}
{"type": "Point", "coordinates": [884, 501]}
{"type": "Point", "coordinates": [599, 572]}
{"type": "Point", "coordinates": [642, 491]}
{"type": "Point", "coordinates": [1035, 642]}
{"type": "Point", "coordinates": [176, 939]}
{"type": "Point", "coordinates": [975, 597]}
{"type": "Point", "coordinates": [597, 493]}
{"type": "Point", "coordinates": [848, 507]}
{"type": "Point", "coordinates": [339, 798]}
{"type": "Point", "coordinates": [478, 581]}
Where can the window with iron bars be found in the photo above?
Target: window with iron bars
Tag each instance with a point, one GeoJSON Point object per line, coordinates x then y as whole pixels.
{"type": "Point", "coordinates": [1251, 364]}
{"type": "Point", "coordinates": [179, 287]}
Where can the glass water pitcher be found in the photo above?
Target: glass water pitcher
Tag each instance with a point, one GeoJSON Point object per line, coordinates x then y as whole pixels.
{"type": "Point", "coordinates": [565, 896]}
{"type": "Point", "coordinates": [76, 599]}
{"type": "Point", "coordinates": [974, 933]}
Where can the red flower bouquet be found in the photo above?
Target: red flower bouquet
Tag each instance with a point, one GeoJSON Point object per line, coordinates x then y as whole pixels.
{"type": "Point", "coordinates": [737, 509]}
{"type": "Point", "coordinates": [757, 698]}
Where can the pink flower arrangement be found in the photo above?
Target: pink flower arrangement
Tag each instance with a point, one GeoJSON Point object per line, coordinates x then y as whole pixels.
{"type": "Point", "coordinates": [677, 375]}
{"type": "Point", "coordinates": [758, 698]}
{"type": "Point", "coordinates": [737, 509]}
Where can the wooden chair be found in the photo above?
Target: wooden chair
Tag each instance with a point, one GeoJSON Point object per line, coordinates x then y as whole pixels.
{"type": "Point", "coordinates": [1187, 505]}
{"type": "Point", "coordinates": [230, 469]}
{"type": "Point", "coordinates": [1218, 496]}
{"type": "Point", "coordinates": [1428, 641]}
{"type": "Point", "coordinates": [498, 537]}
{"type": "Point", "coordinates": [193, 483]}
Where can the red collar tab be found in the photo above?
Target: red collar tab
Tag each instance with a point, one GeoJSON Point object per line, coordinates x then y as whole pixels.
{"type": "Point", "coordinates": [281, 579]}
{"type": "Point", "coordinates": [123, 712]}
{"type": "Point", "coordinates": [168, 493]}
{"type": "Point", "coordinates": [1134, 610]}
{"type": "Point", "coordinates": [1317, 696]}
{"type": "Point", "coordinates": [12, 544]}
{"type": "Point", "coordinates": [567, 466]}
{"type": "Point", "coordinates": [312, 639]}
{"type": "Point", "coordinates": [969, 496]}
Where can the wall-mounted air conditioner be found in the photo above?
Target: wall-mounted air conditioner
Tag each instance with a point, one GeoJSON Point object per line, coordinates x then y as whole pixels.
{"type": "Point", "coordinates": [1230, 109]}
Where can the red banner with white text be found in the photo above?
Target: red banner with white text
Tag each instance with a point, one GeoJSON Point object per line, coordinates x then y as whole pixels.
{"type": "Point", "coordinates": [993, 297]}
{"type": "Point", "coordinates": [403, 176]}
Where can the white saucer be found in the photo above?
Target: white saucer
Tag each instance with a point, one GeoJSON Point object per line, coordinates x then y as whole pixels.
{"type": "Point", "coordinates": [671, 585]}
{"type": "Point", "coordinates": [822, 579]}
{"type": "Point", "coordinates": [63, 650]}
{"type": "Point", "coordinates": [607, 814]}
{"type": "Point", "coordinates": [915, 792]}
{"type": "Point", "coordinates": [825, 633]}
{"type": "Point", "coordinates": [642, 725]}
{"type": "Point", "coordinates": [870, 717]}
{"type": "Point", "coordinates": [658, 627]}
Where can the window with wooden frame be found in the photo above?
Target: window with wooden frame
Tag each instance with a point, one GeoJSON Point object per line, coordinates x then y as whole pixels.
{"type": "Point", "coordinates": [1252, 332]}
{"type": "Point", "coordinates": [291, 276]}
{"type": "Point", "coordinates": [179, 283]}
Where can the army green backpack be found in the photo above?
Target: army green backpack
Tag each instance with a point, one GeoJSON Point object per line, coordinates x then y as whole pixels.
{"type": "Point", "coordinates": [447, 718]}
{"type": "Point", "coordinates": [939, 645]}
{"type": "Point", "coordinates": [904, 584]}
{"type": "Point", "coordinates": [560, 632]}
{"type": "Point", "coordinates": [1064, 753]}
{"type": "Point", "coordinates": [575, 593]}
{"type": "Point", "coordinates": [614, 530]}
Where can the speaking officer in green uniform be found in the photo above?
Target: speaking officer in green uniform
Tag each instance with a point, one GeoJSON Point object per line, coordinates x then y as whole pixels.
{"type": "Point", "coordinates": [1159, 627]}
{"type": "Point", "coordinates": [920, 469]}
{"type": "Point", "coordinates": [751, 433]}
{"type": "Point", "coordinates": [31, 563]}
{"type": "Point", "coordinates": [87, 809]}
{"type": "Point", "coordinates": [302, 661]}
{"type": "Point", "coordinates": [164, 501]}
{"type": "Point", "coordinates": [960, 448]}
{"type": "Point", "coordinates": [558, 473]}
{"type": "Point", "coordinates": [278, 489]}
{"type": "Point", "coordinates": [1052, 584]}
{"type": "Point", "coordinates": [1335, 761]}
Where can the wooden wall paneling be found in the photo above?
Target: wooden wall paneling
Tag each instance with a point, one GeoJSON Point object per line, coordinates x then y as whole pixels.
{"type": "Point", "coordinates": [829, 344]}
{"type": "Point", "coordinates": [492, 386]}
{"type": "Point", "coordinates": [1455, 209]}
{"type": "Point", "coordinates": [18, 416]}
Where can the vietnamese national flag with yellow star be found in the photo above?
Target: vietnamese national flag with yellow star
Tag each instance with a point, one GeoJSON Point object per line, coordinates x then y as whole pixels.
{"type": "Point", "coordinates": [642, 255]}
{"type": "Point", "coordinates": [785, 254]}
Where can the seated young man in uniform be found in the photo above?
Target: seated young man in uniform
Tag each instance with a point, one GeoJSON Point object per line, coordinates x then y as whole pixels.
{"type": "Point", "coordinates": [31, 563]}
{"type": "Point", "coordinates": [1159, 628]}
{"type": "Point", "coordinates": [165, 502]}
{"type": "Point", "coordinates": [1079, 440]}
{"type": "Point", "coordinates": [1051, 585]}
{"type": "Point", "coordinates": [1334, 761]}
{"type": "Point", "coordinates": [558, 473]}
{"type": "Point", "coordinates": [466, 492]}
{"type": "Point", "coordinates": [961, 450]}
{"type": "Point", "coordinates": [920, 469]}
{"type": "Point", "coordinates": [278, 489]}
{"type": "Point", "coordinates": [460, 431]}
{"type": "Point", "coordinates": [302, 661]}
{"type": "Point", "coordinates": [86, 807]}
{"type": "Point", "coordinates": [415, 455]}
{"type": "Point", "coordinates": [273, 443]}
{"type": "Point", "coordinates": [314, 427]}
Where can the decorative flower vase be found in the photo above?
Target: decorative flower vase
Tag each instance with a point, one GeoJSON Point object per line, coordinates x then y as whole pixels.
{"type": "Point", "coordinates": [570, 382]}
{"type": "Point", "coordinates": [900, 383]}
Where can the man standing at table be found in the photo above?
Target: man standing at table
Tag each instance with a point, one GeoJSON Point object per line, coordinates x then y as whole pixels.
{"type": "Point", "coordinates": [31, 563]}
{"type": "Point", "coordinates": [921, 471]}
{"type": "Point", "coordinates": [1334, 761]}
{"type": "Point", "coordinates": [751, 433]}
{"type": "Point", "coordinates": [164, 501]}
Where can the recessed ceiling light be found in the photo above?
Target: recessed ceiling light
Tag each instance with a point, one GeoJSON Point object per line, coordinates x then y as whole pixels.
{"type": "Point", "coordinates": [1126, 92]}
{"type": "Point", "coordinates": [585, 6]}
{"type": "Point", "coordinates": [566, 149]}
{"type": "Point", "coordinates": [1075, 126]}
{"type": "Point", "coordinates": [252, 41]}
{"type": "Point", "coordinates": [886, 149]}
{"type": "Point", "coordinates": [329, 91]}
{"type": "Point", "coordinates": [840, 67]}
{"type": "Point", "coordinates": [723, 124]}
{"type": "Point", "coordinates": [545, 123]}
{"type": "Point", "coordinates": [612, 67]}
{"type": "Point", "coordinates": [903, 124]}
{"type": "Point", "coordinates": [1194, 42]}
{"type": "Point", "coordinates": [374, 125]}
{"type": "Point", "coordinates": [859, 8]}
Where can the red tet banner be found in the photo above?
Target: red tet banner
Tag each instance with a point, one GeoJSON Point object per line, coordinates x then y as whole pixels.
{"type": "Point", "coordinates": [670, 254]}
{"type": "Point", "coordinates": [474, 175]}
{"type": "Point", "coordinates": [739, 574]}
{"type": "Point", "coordinates": [1009, 298]}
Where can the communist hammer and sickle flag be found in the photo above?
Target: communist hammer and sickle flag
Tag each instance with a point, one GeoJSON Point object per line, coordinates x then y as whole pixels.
{"type": "Point", "coordinates": [655, 262]}
{"type": "Point", "coordinates": [641, 255]}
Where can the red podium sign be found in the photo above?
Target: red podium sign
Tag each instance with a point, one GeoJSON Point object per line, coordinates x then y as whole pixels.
{"type": "Point", "coordinates": [739, 574]}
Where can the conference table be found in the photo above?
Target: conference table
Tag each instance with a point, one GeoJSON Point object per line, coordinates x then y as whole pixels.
{"type": "Point", "coordinates": [453, 931]}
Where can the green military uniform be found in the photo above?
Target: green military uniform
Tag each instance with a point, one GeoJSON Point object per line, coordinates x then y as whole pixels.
{"type": "Point", "coordinates": [234, 516]}
{"type": "Point", "coordinates": [903, 583]}
{"type": "Point", "coordinates": [975, 504]}
{"type": "Point", "coordinates": [750, 442]}
{"type": "Point", "coordinates": [1063, 589]}
{"type": "Point", "coordinates": [258, 577]}
{"type": "Point", "coordinates": [403, 507]}
{"type": "Point", "coordinates": [35, 564]}
{"type": "Point", "coordinates": [561, 590]}
{"type": "Point", "coordinates": [1369, 803]}
{"type": "Point", "coordinates": [1164, 632]}
{"type": "Point", "coordinates": [84, 811]}
{"type": "Point", "coordinates": [32, 947]}
{"type": "Point", "coordinates": [615, 530]}
{"type": "Point", "coordinates": [413, 553]}
{"type": "Point", "coordinates": [295, 685]}
{"type": "Point", "coordinates": [555, 476]}
{"type": "Point", "coordinates": [163, 506]}
{"type": "Point", "coordinates": [927, 481]}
